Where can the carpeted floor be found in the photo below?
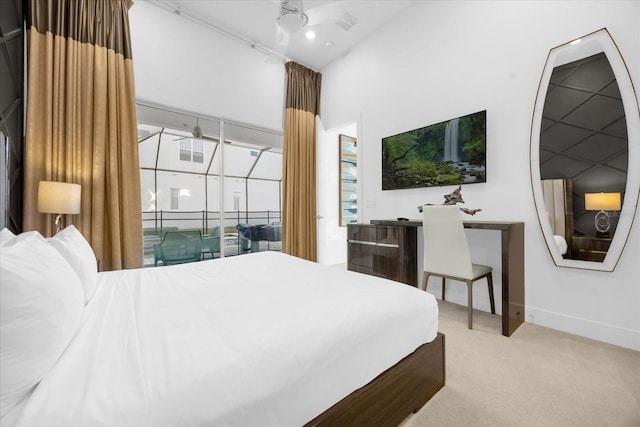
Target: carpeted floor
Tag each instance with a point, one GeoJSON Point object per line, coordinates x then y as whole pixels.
{"type": "Point", "coordinates": [536, 377]}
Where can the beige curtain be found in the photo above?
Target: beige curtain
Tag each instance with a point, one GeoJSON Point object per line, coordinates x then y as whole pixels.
{"type": "Point", "coordinates": [299, 162]}
{"type": "Point", "coordinates": [81, 122]}
{"type": "Point", "coordinates": [558, 201]}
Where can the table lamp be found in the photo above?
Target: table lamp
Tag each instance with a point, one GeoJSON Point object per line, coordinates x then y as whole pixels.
{"type": "Point", "coordinates": [58, 198]}
{"type": "Point", "coordinates": [604, 203]}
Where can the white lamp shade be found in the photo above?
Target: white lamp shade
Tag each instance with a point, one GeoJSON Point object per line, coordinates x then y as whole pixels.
{"type": "Point", "coordinates": [602, 201]}
{"type": "Point", "coordinates": [58, 197]}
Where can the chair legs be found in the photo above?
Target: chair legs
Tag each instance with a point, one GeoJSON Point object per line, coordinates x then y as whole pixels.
{"type": "Point", "coordinates": [470, 303]}
{"type": "Point", "coordinates": [491, 300]}
{"type": "Point", "coordinates": [470, 298]}
{"type": "Point", "coordinates": [425, 279]}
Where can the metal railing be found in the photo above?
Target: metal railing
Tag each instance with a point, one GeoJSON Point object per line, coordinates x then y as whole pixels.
{"type": "Point", "coordinates": [156, 223]}
{"type": "Point", "coordinates": [205, 221]}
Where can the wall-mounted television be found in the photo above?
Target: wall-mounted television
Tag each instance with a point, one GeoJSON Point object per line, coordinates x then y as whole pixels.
{"type": "Point", "coordinates": [446, 153]}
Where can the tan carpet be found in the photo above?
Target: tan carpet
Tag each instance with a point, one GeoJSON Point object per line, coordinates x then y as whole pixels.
{"type": "Point", "coordinates": [536, 377]}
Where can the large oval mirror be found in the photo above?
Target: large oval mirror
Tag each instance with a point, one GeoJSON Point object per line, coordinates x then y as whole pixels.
{"type": "Point", "coordinates": [585, 128]}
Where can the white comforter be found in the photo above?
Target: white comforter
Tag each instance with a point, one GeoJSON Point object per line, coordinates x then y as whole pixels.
{"type": "Point", "coordinates": [255, 340]}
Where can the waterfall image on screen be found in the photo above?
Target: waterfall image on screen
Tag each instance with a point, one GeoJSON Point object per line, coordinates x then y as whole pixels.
{"type": "Point", "coordinates": [446, 153]}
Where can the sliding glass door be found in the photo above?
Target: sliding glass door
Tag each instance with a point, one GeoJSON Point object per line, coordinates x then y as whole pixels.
{"type": "Point", "coordinates": [184, 192]}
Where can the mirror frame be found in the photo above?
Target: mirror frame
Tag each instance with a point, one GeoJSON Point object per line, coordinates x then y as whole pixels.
{"type": "Point", "coordinates": [590, 44]}
{"type": "Point", "coordinates": [4, 181]}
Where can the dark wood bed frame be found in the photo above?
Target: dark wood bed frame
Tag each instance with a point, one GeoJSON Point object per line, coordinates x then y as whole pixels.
{"type": "Point", "coordinates": [394, 394]}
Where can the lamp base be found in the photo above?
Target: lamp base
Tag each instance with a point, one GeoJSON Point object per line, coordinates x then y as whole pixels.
{"type": "Point", "coordinates": [603, 234]}
{"type": "Point", "coordinates": [58, 223]}
{"type": "Point", "coordinates": [602, 224]}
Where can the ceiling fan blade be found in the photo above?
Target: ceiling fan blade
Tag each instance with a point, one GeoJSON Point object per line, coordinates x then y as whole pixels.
{"type": "Point", "coordinates": [325, 13]}
{"type": "Point", "coordinates": [151, 135]}
{"type": "Point", "coordinates": [333, 13]}
{"type": "Point", "coordinates": [279, 51]}
{"type": "Point", "coordinates": [196, 131]}
{"type": "Point", "coordinates": [282, 39]}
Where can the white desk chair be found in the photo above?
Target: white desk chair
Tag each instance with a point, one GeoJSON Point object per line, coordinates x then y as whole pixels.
{"type": "Point", "coordinates": [446, 253]}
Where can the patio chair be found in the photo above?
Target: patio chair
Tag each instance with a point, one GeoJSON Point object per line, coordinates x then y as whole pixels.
{"type": "Point", "coordinates": [178, 247]}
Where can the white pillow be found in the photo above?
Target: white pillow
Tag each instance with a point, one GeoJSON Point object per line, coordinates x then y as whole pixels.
{"type": "Point", "coordinates": [562, 244]}
{"type": "Point", "coordinates": [78, 252]}
{"type": "Point", "coordinates": [41, 303]}
{"type": "Point", "coordinates": [5, 236]}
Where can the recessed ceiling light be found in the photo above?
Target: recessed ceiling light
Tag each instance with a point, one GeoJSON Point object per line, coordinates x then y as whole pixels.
{"type": "Point", "coordinates": [328, 44]}
{"type": "Point", "coordinates": [310, 35]}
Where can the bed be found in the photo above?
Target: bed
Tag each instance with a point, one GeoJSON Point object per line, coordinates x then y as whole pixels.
{"type": "Point", "coordinates": [263, 339]}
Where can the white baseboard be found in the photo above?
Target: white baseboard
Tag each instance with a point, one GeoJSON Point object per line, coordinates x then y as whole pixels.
{"type": "Point", "coordinates": [598, 331]}
{"type": "Point", "coordinates": [611, 334]}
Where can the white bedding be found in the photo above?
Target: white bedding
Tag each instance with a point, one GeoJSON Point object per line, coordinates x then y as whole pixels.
{"type": "Point", "coordinates": [256, 340]}
{"type": "Point", "coordinates": [561, 243]}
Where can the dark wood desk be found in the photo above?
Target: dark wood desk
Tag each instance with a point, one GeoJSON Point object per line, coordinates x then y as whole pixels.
{"type": "Point", "coordinates": [512, 243]}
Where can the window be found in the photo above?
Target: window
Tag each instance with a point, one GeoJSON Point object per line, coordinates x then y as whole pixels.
{"type": "Point", "coordinates": [175, 196]}
{"type": "Point", "coordinates": [192, 150]}
{"type": "Point", "coordinates": [185, 150]}
{"type": "Point", "coordinates": [197, 148]}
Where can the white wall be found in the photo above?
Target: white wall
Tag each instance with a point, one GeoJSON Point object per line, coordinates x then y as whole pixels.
{"type": "Point", "coordinates": [445, 59]}
{"type": "Point", "coordinates": [185, 65]}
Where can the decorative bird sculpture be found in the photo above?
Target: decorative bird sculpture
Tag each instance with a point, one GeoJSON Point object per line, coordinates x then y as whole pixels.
{"type": "Point", "coordinates": [453, 198]}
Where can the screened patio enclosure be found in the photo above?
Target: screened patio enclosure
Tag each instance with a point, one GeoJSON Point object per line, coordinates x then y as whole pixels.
{"type": "Point", "coordinates": [201, 198]}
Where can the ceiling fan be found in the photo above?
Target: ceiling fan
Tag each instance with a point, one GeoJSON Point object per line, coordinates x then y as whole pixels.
{"type": "Point", "coordinates": [292, 18]}
{"type": "Point", "coordinates": [196, 132]}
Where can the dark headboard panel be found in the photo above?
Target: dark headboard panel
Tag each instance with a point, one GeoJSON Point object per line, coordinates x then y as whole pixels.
{"type": "Point", "coordinates": [11, 109]}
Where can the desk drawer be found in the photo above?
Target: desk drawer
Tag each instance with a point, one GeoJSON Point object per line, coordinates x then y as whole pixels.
{"type": "Point", "coordinates": [361, 253]}
{"type": "Point", "coordinates": [590, 248]}
{"type": "Point", "coordinates": [384, 251]}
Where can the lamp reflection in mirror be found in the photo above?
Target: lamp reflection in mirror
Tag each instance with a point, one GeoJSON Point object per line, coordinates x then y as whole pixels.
{"type": "Point", "coordinates": [604, 203]}
{"type": "Point", "coordinates": [58, 198]}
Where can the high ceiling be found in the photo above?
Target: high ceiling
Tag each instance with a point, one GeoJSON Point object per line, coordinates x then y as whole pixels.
{"type": "Point", "coordinates": [339, 25]}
